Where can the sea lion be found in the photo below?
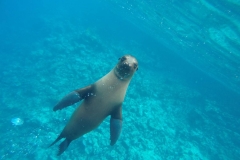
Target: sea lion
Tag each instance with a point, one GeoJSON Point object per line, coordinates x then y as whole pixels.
{"type": "Point", "coordinates": [100, 99]}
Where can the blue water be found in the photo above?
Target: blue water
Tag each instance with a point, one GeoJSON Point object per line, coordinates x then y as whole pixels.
{"type": "Point", "coordinates": [182, 103]}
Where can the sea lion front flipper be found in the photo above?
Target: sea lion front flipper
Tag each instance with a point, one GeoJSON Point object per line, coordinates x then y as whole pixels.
{"type": "Point", "coordinates": [74, 97]}
{"type": "Point", "coordinates": [115, 125]}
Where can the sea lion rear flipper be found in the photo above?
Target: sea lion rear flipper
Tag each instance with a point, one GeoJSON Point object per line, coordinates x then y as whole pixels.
{"type": "Point", "coordinates": [73, 97]}
{"type": "Point", "coordinates": [63, 146]}
{"type": "Point", "coordinates": [115, 125]}
{"type": "Point", "coordinates": [56, 140]}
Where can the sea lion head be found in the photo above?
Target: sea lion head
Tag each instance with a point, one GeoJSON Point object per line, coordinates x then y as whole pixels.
{"type": "Point", "coordinates": [126, 67]}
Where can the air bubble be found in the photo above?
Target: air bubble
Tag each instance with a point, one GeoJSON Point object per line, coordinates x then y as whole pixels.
{"type": "Point", "coordinates": [17, 121]}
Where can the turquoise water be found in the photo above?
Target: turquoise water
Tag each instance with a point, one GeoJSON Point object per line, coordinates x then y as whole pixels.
{"type": "Point", "coordinates": [182, 103]}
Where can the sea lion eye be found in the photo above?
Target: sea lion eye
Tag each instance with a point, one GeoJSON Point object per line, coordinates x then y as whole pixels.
{"type": "Point", "coordinates": [135, 66]}
{"type": "Point", "coordinates": [122, 59]}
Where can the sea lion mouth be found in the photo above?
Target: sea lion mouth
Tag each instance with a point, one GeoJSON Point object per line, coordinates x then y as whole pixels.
{"type": "Point", "coordinates": [126, 67]}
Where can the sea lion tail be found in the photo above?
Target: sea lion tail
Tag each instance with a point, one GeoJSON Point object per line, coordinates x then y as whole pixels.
{"type": "Point", "coordinates": [63, 146]}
